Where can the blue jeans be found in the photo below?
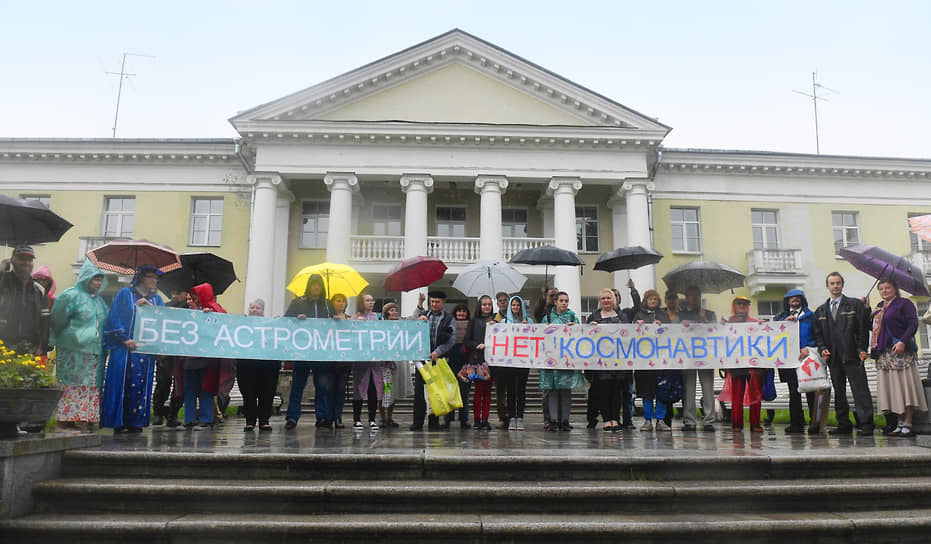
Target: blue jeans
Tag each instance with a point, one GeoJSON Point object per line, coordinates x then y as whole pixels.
{"type": "Point", "coordinates": [321, 387]}
{"type": "Point", "coordinates": [336, 399]}
{"type": "Point", "coordinates": [648, 411]}
{"type": "Point", "coordinates": [197, 402]}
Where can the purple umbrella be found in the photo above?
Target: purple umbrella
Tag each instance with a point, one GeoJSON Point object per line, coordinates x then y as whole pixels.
{"type": "Point", "coordinates": [881, 264]}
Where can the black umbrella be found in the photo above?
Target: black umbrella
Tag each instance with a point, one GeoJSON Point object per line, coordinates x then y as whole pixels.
{"type": "Point", "coordinates": [29, 222]}
{"type": "Point", "coordinates": [198, 268]}
{"type": "Point", "coordinates": [547, 256]}
{"type": "Point", "coordinates": [627, 258]}
{"type": "Point", "coordinates": [710, 277]}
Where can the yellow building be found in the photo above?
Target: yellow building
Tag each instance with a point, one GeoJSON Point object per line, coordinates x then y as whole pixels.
{"type": "Point", "coordinates": [457, 148]}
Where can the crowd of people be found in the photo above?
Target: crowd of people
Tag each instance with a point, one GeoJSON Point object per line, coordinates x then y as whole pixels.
{"type": "Point", "coordinates": [105, 381]}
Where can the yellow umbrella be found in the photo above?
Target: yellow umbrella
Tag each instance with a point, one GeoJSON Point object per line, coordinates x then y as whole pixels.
{"type": "Point", "coordinates": [339, 278]}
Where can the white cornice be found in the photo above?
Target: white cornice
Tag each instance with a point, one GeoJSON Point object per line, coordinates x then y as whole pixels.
{"type": "Point", "coordinates": [202, 152]}
{"type": "Point", "coordinates": [448, 134]}
{"type": "Point", "coordinates": [454, 46]}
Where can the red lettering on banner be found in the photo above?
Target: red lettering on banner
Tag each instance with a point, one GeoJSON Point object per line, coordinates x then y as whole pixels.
{"type": "Point", "coordinates": [518, 346]}
{"type": "Point", "coordinates": [537, 340]}
{"type": "Point", "coordinates": [495, 344]}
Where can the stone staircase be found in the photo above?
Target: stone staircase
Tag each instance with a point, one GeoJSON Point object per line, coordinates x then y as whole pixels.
{"type": "Point", "coordinates": [454, 495]}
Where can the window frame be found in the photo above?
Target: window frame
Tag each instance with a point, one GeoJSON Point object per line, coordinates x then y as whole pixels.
{"type": "Point", "coordinates": [400, 221]}
{"type": "Point", "coordinates": [316, 216]}
{"type": "Point", "coordinates": [437, 222]}
{"type": "Point", "coordinates": [582, 221]}
{"type": "Point", "coordinates": [210, 214]}
{"type": "Point", "coordinates": [122, 214]}
{"type": "Point", "coordinates": [682, 224]}
{"type": "Point", "coordinates": [917, 243]}
{"type": "Point", "coordinates": [924, 330]}
{"type": "Point", "coordinates": [587, 306]}
{"type": "Point", "coordinates": [764, 227]}
{"type": "Point", "coordinates": [856, 227]}
{"type": "Point", "coordinates": [778, 305]}
{"type": "Point", "coordinates": [45, 200]}
{"type": "Point", "coordinates": [505, 224]}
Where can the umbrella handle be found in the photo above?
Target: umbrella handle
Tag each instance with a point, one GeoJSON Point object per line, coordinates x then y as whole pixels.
{"type": "Point", "coordinates": [875, 283]}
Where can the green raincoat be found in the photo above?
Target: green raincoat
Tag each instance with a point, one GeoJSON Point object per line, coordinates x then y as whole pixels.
{"type": "Point", "coordinates": [76, 324]}
{"type": "Point", "coordinates": [560, 379]}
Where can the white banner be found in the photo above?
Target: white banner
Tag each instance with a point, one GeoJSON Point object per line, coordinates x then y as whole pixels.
{"type": "Point", "coordinates": [648, 347]}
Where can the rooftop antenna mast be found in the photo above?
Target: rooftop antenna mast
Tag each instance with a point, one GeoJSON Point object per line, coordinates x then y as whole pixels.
{"type": "Point", "coordinates": [123, 75]}
{"type": "Point", "coordinates": [814, 102]}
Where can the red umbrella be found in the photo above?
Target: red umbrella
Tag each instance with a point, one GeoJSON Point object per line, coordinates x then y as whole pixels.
{"type": "Point", "coordinates": [414, 273]}
{"type": "Point", "coordinates": [126, 256]}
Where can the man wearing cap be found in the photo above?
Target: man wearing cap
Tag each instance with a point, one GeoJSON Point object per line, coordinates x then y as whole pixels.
{"type": "Point", "coordinates": [442, 337]}
{"type": "Point", "coordinates": [24, 308]}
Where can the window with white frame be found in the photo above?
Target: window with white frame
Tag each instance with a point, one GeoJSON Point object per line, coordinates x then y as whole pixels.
{"type": "Point", "coordinates": [586, 228]}
{"type": "Point", "coordinates": [846, 229]}
{"type": "Point", "coordinates": [315, 219]}
{"type": "Point", "coordinates": [918, 243]}
{"type": "Point", "coordinates": [514, 222]}
{"type": "Point", "coordinates": [45, 200]}
{"type": "Point", "coordinates": [765, 225]}
{"type": "Point", "coordinates": [923, 342]}
{"type": "Point", "coordinates": [118, 215]}
{"type": "Point", "coordinates": [206, 221]}
{"type": "Point", "coordinates": [767, 309]}
{"type": "Point", "coordinates": [386, 219]}
{"type": "Point", "coordinates": [587, 305]}
{"type": "Point", "coordinates": [686, 230]}
{"type": "Point", "coordinates": [451, 221]}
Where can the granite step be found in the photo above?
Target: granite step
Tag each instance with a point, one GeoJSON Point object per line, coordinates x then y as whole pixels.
{"type": "Point", "coordinates": [258, 498]}
{"type": "Point", "coordinates": [713, 527]}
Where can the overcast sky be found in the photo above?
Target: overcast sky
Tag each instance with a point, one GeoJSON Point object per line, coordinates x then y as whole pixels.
{"type": "Point", "coordinates": [720, 73]}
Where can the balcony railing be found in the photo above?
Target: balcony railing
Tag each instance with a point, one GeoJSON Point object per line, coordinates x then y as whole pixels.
{"type": "Point", "coordinates": [511, 246]}
{"type": "Point", "coordinates": [377, 248]}
{"type": "Point", "coordinates": [921, 259]}
{"type": "Point", "coordinates": [775, 261]}
{"type": "Point", "coordinates": [453, 250]}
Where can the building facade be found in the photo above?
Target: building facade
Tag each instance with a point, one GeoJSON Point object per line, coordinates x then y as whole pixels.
{"type": "Point", "coordinates": [459, 149]}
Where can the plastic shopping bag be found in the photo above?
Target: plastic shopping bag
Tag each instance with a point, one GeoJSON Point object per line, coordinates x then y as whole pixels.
{"type": "Point", "coordinates": [725, 394]}
{"type": "Point", "coordinates": [442, 387]}
{"type": "Point", "coordinates": [813, 374]}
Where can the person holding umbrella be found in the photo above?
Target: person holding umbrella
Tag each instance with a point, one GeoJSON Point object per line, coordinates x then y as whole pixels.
{"type": "Point", "coordinates": [693, 312]}
{"type": "Point", "coordinates": [23, 307]}
{"type": "Point", "coordinates": [127, 387]}
{"type": "Point", "coordinates": [312, 304]}
{"type": "Point", "coordinates": [442, 337]}
{"type": "Point", "coordinates": [842, 334]}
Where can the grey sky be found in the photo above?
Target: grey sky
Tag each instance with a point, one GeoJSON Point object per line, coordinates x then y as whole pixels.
{"type": "Point", "coordinates": [720, 73]}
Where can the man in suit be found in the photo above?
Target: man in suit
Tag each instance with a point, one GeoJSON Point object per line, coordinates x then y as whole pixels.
{"type": "Point", "coordinates": [842, 331]}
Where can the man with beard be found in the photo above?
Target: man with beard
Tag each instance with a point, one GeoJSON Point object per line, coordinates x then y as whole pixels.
{"type": "Point", "coordinates": [796, 309]}
{"type": "Point", "coordinates": [24, 309]}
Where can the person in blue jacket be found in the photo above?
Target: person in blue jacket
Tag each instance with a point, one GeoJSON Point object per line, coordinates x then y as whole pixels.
{"type": "Point", "coordinates": [795, 308]}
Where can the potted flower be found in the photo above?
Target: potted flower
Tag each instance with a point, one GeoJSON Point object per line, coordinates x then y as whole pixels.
{"type": "Point", "coordinates": [28, 391]}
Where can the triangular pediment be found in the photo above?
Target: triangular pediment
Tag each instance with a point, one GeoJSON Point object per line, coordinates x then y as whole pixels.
{"type": "Point", "coordinates": [453, 78]}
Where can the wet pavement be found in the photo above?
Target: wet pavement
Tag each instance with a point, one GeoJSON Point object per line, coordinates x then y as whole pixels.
{"type": "Point", "coordinates": [229, 438]}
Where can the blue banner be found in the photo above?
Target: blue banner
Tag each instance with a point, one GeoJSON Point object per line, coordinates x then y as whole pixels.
{"type": "Point", "coordinates": [189, 333]}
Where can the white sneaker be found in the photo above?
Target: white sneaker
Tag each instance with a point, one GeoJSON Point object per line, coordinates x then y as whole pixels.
{"type": "Point", "coordinates": [661, 426]}
{"type": "Point", "coordinates": [357, 425]}
{"type": "Point", "coordinates": [512, 424]}
{"type": "Point", "coordinates": [647, 426]}
{"type": "Point", "coordinates": [373, 426]}
{"type": "Point", "coordinates": [520, 424]}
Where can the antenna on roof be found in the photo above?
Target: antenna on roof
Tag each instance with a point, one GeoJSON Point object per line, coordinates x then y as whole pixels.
{"type": "Point", "coordinates": [123, 75]}
{"type": "Point", "coordinates": [814, 101]}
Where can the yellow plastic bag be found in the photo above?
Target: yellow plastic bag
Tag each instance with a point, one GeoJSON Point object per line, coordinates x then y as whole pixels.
{"type": "Point", "coordinates": [442, 387]}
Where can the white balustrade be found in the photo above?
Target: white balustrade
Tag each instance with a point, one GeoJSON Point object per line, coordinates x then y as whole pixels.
{"type": "Point", "coordinates": [775, 261]}
{"type": "Point", "coordinates": [377, 248]}
{"type": "Point", "coordinates": [87, 243]}
{"type": "Point", "coordinates": [453, 250]}
{"type": "Point", "coordinates": [512, 246]}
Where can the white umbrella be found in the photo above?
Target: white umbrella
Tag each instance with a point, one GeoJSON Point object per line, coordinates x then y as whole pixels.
{"type": "Point", "coordinates": [489, 277]}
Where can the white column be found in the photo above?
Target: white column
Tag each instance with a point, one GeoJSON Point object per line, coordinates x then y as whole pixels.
{"type": "Point", "coordinates": [566, 278]}
{"type": "Point", "coordinates": [276, 306]}
{"type": "Point", "coordinates": [638, 228]}
{"type": "Point", "coordinates": [618, 205]}
{"type": "Point", "coordinates": [260, 264]}
{"type": "Point", "coordinates": [545, 205]}
{"type": "Point", "coordinates": [491, 188]}
{"type": "Point", "coordinates": [416, 187]}
{"type": "Point", "coordinates": [339, 234]}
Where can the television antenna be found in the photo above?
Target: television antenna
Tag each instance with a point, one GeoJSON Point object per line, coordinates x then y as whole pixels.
{"type": "Point", "coordinates": [123, 75]}
{"type": "Point", "coordinates": [814, 102]}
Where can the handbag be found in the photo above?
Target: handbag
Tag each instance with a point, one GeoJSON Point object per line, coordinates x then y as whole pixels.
{"type": "Point", "coordinates": [812, 374]}
{"type": "Point", "coordinates": [769, 386]}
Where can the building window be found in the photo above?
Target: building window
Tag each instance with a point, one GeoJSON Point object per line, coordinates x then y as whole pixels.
{"type": "Point", "coordinates": [922, 328]}
{"type": "Point", "coordinates": [386, 219]}
{"type": "Point", "coordinates": [315, 218]}
{"type": "Point", "coordinates": [118, 216]}
{"type": "Point", "coordinates": [586, 228]}
{"type": "Point", "coordinates": [206, 221]}
{"type": "Point", "coordinates": [918, 244]}
{"type": "Point", "coordinates": [514, 222]}
{"type": "Point", "coordinates": [451, 221]}
{"type": "Point", "coordinates": [45, 200]}
{"type": "Point", "coordinates": [686, 230]}
{"type": "Point", "coordinates": [767, 309]}
{"type": "Point", "coordinates": [846, 229]}
{"type": "Point", "coordinates": [587, 306]}
{"type": "Point", "coordinates": [765, 229]}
